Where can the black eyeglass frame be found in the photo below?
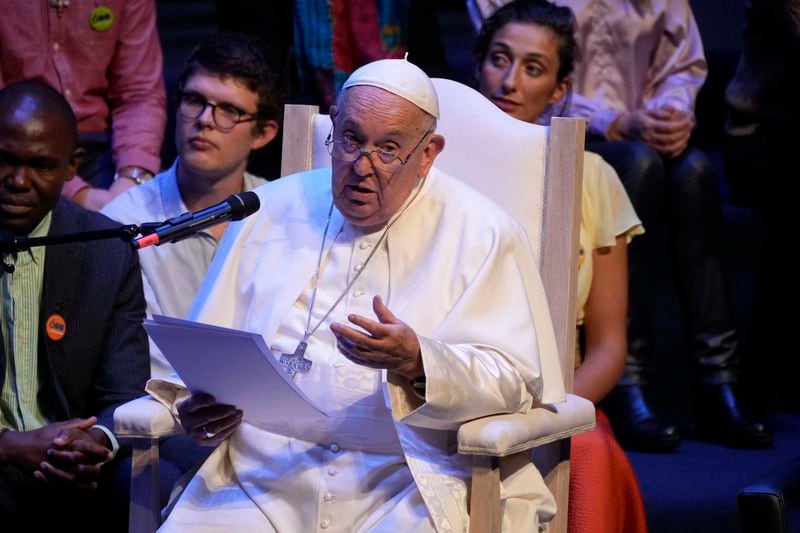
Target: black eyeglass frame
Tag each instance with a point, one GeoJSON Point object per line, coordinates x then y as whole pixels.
{"type": "Point", "coordinates": [243, 116]}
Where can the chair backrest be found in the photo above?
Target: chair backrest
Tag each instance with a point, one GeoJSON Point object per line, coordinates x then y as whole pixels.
{"type": "Point", "coordinates": [534, 172]}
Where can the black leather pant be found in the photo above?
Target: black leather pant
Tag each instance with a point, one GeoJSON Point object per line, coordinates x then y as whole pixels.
{"type": "Point", "coordinates": [684, 194]}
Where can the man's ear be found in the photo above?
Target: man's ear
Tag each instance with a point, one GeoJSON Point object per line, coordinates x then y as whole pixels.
{"type": "Point", "coordinates": [265, 136]}
{"type": "Point", "coordinates": [434, 147]}
{"type": "Point", "coordinates": [74, 162]}
{"type": "Point", "coordinates": [332, 112]}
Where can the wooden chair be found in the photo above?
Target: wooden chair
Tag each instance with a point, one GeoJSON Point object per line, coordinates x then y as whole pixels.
{"type": "Point", "coordinates": [535, 173]}
{"type": "Point", "coordinates": [144, 421]}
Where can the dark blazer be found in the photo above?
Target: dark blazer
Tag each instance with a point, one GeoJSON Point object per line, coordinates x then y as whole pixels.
{"type": "Point", "coordinates": [103, 359]}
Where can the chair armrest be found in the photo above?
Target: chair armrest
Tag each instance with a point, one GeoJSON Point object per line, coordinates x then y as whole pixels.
{"type": "Point", "coordinates": [503, 435]}
{"type": "Point", "coordinates": [771, 503]}
{"type": "Point", "coordinates": [145, 418]}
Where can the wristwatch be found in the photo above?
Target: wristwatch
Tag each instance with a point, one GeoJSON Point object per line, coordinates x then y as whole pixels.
{"type": "Point", "coordinates": [137, 174]}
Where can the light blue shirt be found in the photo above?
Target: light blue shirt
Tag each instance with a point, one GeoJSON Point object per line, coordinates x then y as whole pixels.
{"type": "Point", "coordinates": [171, 273]}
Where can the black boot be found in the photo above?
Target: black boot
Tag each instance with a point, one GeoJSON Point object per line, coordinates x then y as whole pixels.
{"type": "Point", "coordinates": [635, 425]}
{"type": "Point", "coordinates": [722, 416]}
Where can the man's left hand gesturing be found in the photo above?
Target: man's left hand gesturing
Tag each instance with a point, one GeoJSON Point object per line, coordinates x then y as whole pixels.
{"type": "Point", "coordinates": [389, 343]}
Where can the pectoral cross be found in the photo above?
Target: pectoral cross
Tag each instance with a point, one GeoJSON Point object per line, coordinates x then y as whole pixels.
{"type": "Point", "coordinates": [296, 362]}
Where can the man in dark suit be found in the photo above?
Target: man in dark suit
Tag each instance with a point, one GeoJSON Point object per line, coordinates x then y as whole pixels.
{"type": "Point", "coordinates": [73, 347]}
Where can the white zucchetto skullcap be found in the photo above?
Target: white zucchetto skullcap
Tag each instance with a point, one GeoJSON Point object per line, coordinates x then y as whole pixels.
{"type": "Point", "coordinates": [400, 77]}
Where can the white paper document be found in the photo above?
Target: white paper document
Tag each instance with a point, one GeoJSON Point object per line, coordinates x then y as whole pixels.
{"type": "Point", "coordinates": [236, 367]}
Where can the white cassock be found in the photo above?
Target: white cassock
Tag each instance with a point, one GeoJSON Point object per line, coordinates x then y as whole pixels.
{"type": "Point", "coordinates": [461, 273]}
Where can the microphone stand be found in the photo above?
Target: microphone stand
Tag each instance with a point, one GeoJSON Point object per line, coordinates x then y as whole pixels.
{"type": "Point", "coordinates": [235, 207]}
{"type": "Point", "coordinates": [20, 244]}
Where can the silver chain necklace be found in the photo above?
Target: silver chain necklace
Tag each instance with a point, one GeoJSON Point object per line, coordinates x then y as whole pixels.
{"type": "Point", "coordinates": [296, 362]}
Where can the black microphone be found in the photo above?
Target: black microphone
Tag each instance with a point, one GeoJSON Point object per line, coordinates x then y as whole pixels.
{"type": "Point", "coordinates": [235, 207]}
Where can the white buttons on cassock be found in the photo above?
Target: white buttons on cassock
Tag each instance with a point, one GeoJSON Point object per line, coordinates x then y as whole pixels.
{"type": "Point", "coordinates": [325, 524]}
{"type": "Point", "coordinates": [332, 472]}
{"type": "Point", "coordinates": [334, 447]}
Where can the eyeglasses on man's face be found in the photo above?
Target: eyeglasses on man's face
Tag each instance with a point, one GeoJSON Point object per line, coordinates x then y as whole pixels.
{"type": "Point", "coordinates": [384, 158]}
{"type": "Point", "coordinates": [226, 116]}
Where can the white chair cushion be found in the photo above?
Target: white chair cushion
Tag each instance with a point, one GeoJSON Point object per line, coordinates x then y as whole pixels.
{"type": "Point", "coordinates": [145, 418]}
{"type": "Point", "coordinates": [503, 435]}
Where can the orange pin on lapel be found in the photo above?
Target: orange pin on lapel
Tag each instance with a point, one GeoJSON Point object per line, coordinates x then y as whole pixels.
{"type": "Point", "coordinates": [56, 327]}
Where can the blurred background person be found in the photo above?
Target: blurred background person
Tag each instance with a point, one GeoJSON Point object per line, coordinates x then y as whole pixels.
{"type": "Point", "coordinates": [105, 59]}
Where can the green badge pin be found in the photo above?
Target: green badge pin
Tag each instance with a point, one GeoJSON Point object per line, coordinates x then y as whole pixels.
{"type": "Point", "coordinates": [101, 18]}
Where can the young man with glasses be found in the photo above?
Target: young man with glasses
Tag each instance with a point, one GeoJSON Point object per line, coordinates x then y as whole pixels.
{"type": "Point", "coordinates": [228, 106]}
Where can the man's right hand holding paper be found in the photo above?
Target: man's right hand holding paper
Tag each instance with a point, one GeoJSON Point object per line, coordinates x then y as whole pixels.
{"type": "Point", "coordinates": [206, 421]}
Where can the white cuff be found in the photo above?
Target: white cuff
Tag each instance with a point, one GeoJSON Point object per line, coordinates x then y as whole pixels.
{"type": "Point", "coordinates": [111, 438]}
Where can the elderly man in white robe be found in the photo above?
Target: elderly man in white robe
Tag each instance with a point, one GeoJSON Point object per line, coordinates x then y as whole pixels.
{"type": "Point", "coordinates": [403, 303]}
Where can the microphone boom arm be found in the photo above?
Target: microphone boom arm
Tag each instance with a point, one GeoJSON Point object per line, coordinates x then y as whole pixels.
{"type": "Point", "coordinates": [20, 244]}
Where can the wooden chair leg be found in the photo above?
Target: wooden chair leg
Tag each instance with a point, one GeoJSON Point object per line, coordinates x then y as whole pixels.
{"type": "Point", "coordinates": [145, 507]}
{"type": "Point", "coordinates": [484, 502]}
{"type": "Point", "coordinates": [553, 461]}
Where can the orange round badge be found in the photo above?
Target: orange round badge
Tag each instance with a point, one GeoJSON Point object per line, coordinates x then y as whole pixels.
{"type": "Point", "coordinates": [56, 327]}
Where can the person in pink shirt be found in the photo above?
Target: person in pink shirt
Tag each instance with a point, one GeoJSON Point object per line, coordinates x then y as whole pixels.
{"type": "Point", "coordinates": [105, 58]}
